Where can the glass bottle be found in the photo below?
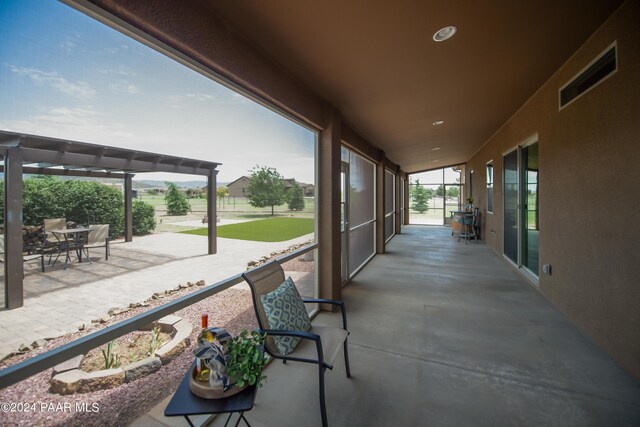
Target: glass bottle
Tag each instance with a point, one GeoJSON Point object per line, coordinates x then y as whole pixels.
{"type": "Point", "coordinates": [202, 371]}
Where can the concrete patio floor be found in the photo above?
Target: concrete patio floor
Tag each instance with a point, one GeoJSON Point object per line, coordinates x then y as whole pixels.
{"type": "Point", "coordinates": [58, 301]}
{"type": "Point", "coordinates": [447, 334]}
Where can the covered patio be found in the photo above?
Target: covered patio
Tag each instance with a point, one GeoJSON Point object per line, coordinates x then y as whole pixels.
{"type": "Point", "coordinates": [439, 343]}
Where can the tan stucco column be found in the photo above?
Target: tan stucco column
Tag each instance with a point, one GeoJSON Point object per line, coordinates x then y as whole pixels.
{"type": "Point", "coordinates": [328, 179]}
{"type": "Point", "coordinates": [407, 199]}
{"type": "Point", "coordinates": [380, 205]}
{"type": "Point", "coordinates": [398, 202]}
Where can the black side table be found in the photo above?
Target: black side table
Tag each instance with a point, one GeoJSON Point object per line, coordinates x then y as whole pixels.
{"type": "Point", "coordinates": [185, 403]}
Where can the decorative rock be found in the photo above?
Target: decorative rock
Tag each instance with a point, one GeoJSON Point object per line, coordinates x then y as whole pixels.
{"type": "Point", "coordinates": [100, 380]}
{"type": "Point", "coordinates": [135, 305]}
{"type": "Point", "coordinates": [4, 356]}
{"type": "Point", "coordinates": [67, 382]}
{"type": "Point", "coordinates": [182, 286]}
{"type": "Point", "coordinates": [200, 283]}
{"type": "Point", "coordinates": [141, 368]}
{"type": "Point", "coordinates": [189, 284]}
{"type": "Point", "coordinates": [23, 347]}
{"type": "Point", "coordinates": [178, 343]}
{"type": "Point", "coordinates": [103, 319]}
{"type": "Point", "coordinates": [251, 263]}
{"type": "Point", "coordinates": [70, 364]}
{"type": "Point", "coordinates": [82, 327]}
{"type": "Point", "coordinates": [38, 343]}
{"type": "Point", "coordinates": [170, 320]}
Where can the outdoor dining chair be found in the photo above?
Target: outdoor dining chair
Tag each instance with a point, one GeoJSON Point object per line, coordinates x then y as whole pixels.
{"type": "Point", "coordinates": [98, 238]}
{"type": "Point", "coordinates": [53, 246]}
{"type": "Point", "coordinates": [278, 311]}
{"type": "Point", "coordinates": [29, 253]}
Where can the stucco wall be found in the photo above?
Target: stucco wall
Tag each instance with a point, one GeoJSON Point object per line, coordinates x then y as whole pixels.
{"type": "Point", "coordinates": [589, 176]}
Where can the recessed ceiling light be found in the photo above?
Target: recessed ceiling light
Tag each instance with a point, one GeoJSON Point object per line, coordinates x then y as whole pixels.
{"type": "Point", "coordinates": [435, 148]}
{"type": "Point", "coordinates": [444, 33]}
{"type": "Point", "coordinates": [438, 122]}
{"type": "Point", "coordinates": [434, 161]}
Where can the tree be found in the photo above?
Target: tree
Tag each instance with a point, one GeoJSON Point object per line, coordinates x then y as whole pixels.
{"type": "Point", "coordinates": [222, 192]}
{"type": "Point", "coordinates": [265, 188]}
{"type": "Point", "coordinates": [420, 198]}
{"type": "Point", "coordinates": [177, 203]}
{"type": "Point", "coordinates": [295, 198]}
{"type": "Point", "coordinates": [453, 192]}
{"type": "Point", "coordinates": [440, 190]}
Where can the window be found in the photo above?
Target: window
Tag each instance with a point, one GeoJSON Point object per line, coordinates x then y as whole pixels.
{"type": "Point", "coordinates": [490, 186]}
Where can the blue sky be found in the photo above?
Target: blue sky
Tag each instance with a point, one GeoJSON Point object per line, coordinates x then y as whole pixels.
{"type": "Point", "coordinates": [66, 75]}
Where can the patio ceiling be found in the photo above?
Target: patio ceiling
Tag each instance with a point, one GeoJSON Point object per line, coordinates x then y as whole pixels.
{"type": "Point", "coordinates": [51, 156]}
{"type": "Point", "coordinates": [377, 63]}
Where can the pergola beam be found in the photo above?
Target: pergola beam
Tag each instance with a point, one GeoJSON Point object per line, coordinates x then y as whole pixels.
{"type": "Point", "coordinates": [44, 156]}
{"type": "Point", "coordinates": [68, 172]}
{"type": "Point", "coordinates": [88, 160]}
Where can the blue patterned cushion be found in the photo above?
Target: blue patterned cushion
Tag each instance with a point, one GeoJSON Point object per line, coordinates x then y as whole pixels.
{"type": "Point", "coordinates": [285, 310]}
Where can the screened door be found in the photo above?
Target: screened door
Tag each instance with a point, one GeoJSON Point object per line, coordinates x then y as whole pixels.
{"type": "Point", "coordinates": [510, 162]}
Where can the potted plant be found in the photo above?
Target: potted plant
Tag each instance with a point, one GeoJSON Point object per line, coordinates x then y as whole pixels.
{"type": "Point", "coordinates": [233, 364]}
{"type": "Point", "coordinates": [246, 359]}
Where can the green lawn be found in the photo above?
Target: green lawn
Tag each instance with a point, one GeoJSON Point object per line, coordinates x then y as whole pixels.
{"type": "Point", "coordinates": [264, 230]}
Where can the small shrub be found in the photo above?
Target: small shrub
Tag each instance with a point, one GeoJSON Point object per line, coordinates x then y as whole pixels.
{"type": "Point", "coordinates": [144, 217]}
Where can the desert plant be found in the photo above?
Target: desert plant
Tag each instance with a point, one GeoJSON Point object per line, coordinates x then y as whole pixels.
{"type": "Point", "coordinates": [246, 358]}
{"type": "Point", "coordinates": [155, 341]}
{"type": "Point", "coordinates": [111, 358]}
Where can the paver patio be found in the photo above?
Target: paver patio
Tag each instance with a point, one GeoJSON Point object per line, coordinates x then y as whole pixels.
{"type": "Point", "coordinates": [58, 301]}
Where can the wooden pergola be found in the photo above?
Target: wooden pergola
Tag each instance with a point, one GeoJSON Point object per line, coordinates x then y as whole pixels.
{"type": "Point", "coordinates": [32, 154]}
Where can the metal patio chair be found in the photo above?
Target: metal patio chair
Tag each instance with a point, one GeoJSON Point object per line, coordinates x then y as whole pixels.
{"type": "Point", "coordinates": [98, 238]}
{"type": "Point", "coordinates": [320, 345]}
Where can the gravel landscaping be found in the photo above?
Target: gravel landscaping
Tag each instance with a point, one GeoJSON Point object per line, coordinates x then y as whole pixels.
{"type": "Point", "coordinates": [231, 309]}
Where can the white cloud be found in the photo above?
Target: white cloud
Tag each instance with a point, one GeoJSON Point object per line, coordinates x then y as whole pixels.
{"type": "Point", "coordinates": [79, 89]}
{"type": "Point", "coordinates": [121, 70]}
{"type": "Point", "coordinates": [124, 88]}
{"type": "Point", "coordinates": [68, 46]}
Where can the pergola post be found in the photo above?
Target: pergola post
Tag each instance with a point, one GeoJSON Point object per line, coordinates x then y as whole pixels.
{"type": "Point", "coordinates": [212, 213]}
{"type": "Point", "coordinates": [13, 229]}
{"type": "Point", "coordinates": [128, 207]}
{"type": "Point", "coordinates": [328, 210]}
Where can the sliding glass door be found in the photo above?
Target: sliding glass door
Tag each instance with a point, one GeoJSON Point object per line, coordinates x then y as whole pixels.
{"type": "Point", "coordinates": [521, 225]}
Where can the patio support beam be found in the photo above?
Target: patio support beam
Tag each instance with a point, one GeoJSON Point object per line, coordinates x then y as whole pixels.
{"type": "Point", "coordinates": [128, 207]}
{"type": "Point", "coordinates": [380, 177]}
{"type": "Point", "coordinates": [328, 209]}
{"type": "Point", "coordinates": [406, 199]}
{"type": "Point", "coordinates": [212, 213]}
{"type": "Point", "coordinates": [397, 201]}
{"type": "Point", "coordinates": [13, 229]}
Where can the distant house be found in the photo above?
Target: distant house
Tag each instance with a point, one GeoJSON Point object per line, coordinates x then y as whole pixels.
{"type": "Point", "coordinates": [240, 187]}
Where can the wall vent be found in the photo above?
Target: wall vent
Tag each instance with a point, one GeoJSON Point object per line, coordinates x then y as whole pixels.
{"type": "Point", "coordinates": [593, 74]}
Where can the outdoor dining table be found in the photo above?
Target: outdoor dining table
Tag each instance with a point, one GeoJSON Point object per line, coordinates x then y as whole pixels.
{"type": "Point", "coordinates": [71, 238]}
